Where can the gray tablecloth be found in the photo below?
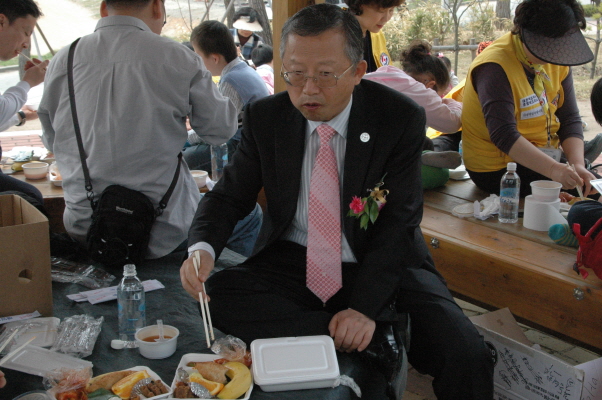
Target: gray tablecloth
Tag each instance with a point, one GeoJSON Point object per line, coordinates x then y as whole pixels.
{"type": "Point", "coordinates": [176, 308]}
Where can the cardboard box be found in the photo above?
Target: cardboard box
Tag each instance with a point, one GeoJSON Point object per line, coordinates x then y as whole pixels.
{"type": "Point", "coordinates": [25, 280]}
{"type": "Point", "coordinates": [523, 372]}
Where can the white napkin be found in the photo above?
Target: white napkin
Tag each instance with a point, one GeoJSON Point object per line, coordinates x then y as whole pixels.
{"type": "Point", "coordinates": [490, 206]}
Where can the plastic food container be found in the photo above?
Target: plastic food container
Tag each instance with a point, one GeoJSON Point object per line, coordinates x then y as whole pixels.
{"type": "Point", "coordinates": [38, 361]}
{"type": "Point", "coordinates": [153, 376]}
{"type": "Point", "coordinates": [198, 357]}
{"type": "Point", "coordinates": [44, 329]}
{"type": "Point", "coordinates": [292, 363]}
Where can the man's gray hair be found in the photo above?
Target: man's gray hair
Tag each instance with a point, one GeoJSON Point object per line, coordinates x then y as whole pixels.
{"type": "Point", "coordinates": [319, 18]}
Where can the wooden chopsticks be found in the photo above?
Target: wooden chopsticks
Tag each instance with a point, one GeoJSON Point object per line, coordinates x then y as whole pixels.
{"type": "Point", "coordinates": [579, 190]}
{"type": "Point", "coordinates": [196, 259]}
{"type": "Point", "coordinates": [12, 353]}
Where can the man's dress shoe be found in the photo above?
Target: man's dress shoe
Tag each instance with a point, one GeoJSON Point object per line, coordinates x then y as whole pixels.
{"type": "Point", "coordinates": [386, 353]}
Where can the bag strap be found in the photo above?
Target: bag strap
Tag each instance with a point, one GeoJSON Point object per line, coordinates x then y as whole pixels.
{"type": "Point", "coordinates": [80, 143]}
{"type": "Point", "coordinates": [593, 229]}
{"type": "Point", "coordinates": [78, 135]}
{"type": "Point", "coordinates": [172, 186]}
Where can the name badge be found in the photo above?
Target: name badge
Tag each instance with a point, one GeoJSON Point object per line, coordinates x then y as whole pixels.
{"type": "Point", "coordinates": [551, 152]}
{"type": "Point", "coordinates": [534, 113]}
{"type": "Point", "coordinates": [528, 101]}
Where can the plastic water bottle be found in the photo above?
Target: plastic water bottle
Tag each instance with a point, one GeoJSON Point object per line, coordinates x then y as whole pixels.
{"type": "Point", "coordinates": [219, 159]}
{"type": "Point", "coordinates": [509, 195]}
{"type": "Point", "coordinates": [130, 306]}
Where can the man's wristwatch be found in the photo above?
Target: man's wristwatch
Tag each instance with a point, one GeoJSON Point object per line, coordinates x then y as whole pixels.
{"type": "Point", "coordinates": [23, 118]}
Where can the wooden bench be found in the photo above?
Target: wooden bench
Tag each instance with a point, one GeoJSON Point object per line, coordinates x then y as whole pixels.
{"type": "Point", "coordinates": [506, 265]}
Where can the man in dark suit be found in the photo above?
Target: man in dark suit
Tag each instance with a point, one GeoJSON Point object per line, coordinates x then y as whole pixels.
{"type": "Point", "coordinates": [383, 270]}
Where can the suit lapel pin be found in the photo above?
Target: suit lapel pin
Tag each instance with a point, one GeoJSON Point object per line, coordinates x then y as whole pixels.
{"type": "Point", "coordinates": [364, 137]}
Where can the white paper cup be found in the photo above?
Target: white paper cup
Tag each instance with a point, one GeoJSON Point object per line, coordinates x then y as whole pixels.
{"type": "Point", "coordinates": [157, 350]}
{"type": "Point", "coordinates": [545, 190]}
{"type": "Point", "coordinates": [200, 177]}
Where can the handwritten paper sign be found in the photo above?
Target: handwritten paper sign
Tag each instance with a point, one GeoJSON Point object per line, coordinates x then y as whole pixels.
{"type": "Point", "coordinates": [524, 372]}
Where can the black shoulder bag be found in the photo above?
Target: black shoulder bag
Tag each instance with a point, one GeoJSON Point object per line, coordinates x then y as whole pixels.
{"type": "Point", "coordinates": [122, 218]}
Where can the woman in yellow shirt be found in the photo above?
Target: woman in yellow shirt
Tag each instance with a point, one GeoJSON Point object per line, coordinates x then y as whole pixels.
{"type": "Point", "coordinates": [372, 16]}
{"type": "Point", "coordinates": [519, 100]}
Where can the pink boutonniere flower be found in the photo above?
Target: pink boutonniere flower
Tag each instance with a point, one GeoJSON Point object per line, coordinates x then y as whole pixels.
{"type": "Point", "coordinates": [368, 208]}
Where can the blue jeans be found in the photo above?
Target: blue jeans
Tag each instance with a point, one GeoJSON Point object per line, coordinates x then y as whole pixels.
{"type": "Point", "coordinates": [198, 156]}
{"type": "Point", "coordinates": [245, 232]}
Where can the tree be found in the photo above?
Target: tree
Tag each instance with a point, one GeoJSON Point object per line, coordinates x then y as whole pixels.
{"type": "Point", "coordinates": [597, 16]}
{"type": "Point", "coordinates": [502, 11]}
{"type": "Point", "coordinates": [229, 4]}
{"type": "Point", "coordinates": [259, 6]}
{"type": "Point", "coordinates": [453, 6]}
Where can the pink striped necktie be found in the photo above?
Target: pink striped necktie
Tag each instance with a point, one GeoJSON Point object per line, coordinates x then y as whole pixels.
{"type": "Point", "coordinates": [324, 222]}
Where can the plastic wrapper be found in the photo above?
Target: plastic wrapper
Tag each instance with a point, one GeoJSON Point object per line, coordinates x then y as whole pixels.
{"type": "Point", "coordinates": [21, 329]}
{"type": "Point", "coordinates": [67, 380]}
{"type": "Point", "coordinates": [348, 381]}
{"type": "Point", "coordinates": [77, 335]}
{"type": "Point", "coordinates": [89, 276]}
{"type": "Point", "coordinates": [232, 349]}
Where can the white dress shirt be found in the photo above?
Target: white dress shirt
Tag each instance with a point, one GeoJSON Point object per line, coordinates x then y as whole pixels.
{"type": "Point", "coordinates": [297, 232]}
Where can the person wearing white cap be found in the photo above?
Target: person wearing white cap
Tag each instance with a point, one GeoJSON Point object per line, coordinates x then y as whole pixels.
{"type": "Point", "coordinates": [519, 100]}
{"type": "Point", "coordinates": [246, 23]}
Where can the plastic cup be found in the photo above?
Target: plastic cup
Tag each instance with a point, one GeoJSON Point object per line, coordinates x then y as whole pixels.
{"type": "Point", "coordinates": [545, 191]}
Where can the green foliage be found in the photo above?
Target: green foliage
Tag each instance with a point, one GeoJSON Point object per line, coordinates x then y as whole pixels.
{"type": "Point", "coordinates": [590, 10]}
{"type": "Point", "coordinates": [423, 20]}
{"type": "Point", "coordinates": [483, 23]}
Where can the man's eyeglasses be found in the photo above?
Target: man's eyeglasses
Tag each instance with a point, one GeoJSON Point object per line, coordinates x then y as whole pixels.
{"type": "Point", "coordinates": [323, 80]}
{"type": "Point", "coordinates": [164, 14]}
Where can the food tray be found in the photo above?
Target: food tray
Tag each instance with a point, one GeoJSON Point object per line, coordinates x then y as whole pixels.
{"type": "Point", "coordinates": [153, 376]}
{"type": "Point", "coordinates": [198, 357]}
{"type": "Point", "coordinates": [45, 334]}
{"type": "Point", "coordinates": [36, 360]}
{"type": "Point", "coordinates": [293, 363]}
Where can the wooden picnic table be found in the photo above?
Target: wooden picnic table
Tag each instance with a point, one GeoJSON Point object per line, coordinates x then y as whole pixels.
{"type": "Point", "coordinates": [506, 265]}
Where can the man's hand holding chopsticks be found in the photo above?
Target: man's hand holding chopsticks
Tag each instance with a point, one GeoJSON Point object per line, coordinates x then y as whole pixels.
{"type": "Point", "coordinates": [188, 275]}
{"type": "Point", "coordinates": [35, 71]}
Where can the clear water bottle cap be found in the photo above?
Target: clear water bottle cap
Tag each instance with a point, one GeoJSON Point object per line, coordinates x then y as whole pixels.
{"type": "Point", "coordinates": [129, 270]}
{"type": "Point", "coordinates": [511, 166]}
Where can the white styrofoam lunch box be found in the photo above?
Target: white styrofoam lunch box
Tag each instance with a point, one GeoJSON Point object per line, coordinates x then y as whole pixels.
{"type": "Point", "coordinates": [293, 363]}
{"type": "Point", "coordinates": [36, 360]}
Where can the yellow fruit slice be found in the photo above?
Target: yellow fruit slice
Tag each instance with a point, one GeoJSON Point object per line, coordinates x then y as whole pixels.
{"type": "Point", "coordinates": [123, 388]}
{"type": "Point", "coordinates": [240, 382]}
{"type": "Point", "coordinates": [213, 387]}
